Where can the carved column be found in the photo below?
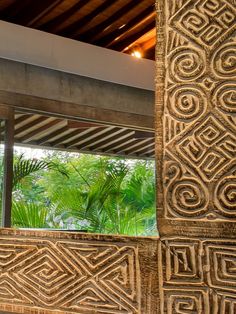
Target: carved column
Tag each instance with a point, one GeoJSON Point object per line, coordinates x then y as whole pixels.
{"type": "Point", "coordinates": [196, 155]}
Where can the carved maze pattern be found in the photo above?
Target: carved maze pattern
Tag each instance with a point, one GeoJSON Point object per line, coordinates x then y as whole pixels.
{"type": "Point", "coordinates": [200, 112]}
{"type": "Point", "coordinates": [199, 276]}
{"type": "Point", "coordinates": [71, 276]}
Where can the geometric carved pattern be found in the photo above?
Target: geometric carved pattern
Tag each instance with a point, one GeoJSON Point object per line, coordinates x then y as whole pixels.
{"type": "Point", "coordinates": [199, 114]}
{"type": "Point", "coordinates": [199, 276]}
{"type": "Point", "coordinates": [196, 155]}
{"type": "Point", "coordinates": [72, 276]}
{"type": "Point", "coordinates": [206, 22]}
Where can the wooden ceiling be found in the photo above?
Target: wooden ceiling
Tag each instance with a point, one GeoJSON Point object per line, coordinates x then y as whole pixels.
{"type": "Point", "coordinates": [35, 130]}
{"type": "Point", "coordinates": [121, 25]}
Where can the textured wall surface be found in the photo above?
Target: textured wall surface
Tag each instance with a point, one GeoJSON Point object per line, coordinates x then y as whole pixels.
{"type": "Point", "coordinates": [196, 155]}
{"type": "Point", "coordinates": [53, 272]}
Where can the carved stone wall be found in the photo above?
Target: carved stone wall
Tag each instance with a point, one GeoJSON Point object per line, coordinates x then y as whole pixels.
{"type": "Point", "coordinates": [196, 155]}
{"type": "Point", "coordinates": [56, 273]}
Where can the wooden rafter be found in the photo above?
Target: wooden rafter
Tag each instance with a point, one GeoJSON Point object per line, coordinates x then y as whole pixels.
{"type": "Point", "coordinates": [83, 138]}
{"type": "Point", "coordinates": [100, 137]}
{"type": "Point", "coordinates": [66, 137]}
{"type": "Point", "coordinates": [91, 34]}
{"type": "Point", "coordinates": [58, 21]}
{"type": "Point", "coordinates": [126, 147]}
{"type": "Point", "coordinates": [112, 139]}
{"type": "Point", "coordinates": [144, 143]}
{"type": "Point", "coordinates": [107, 40]}
{"type": "Point", "coordinates": [73, 29]}
{"type": "Point", "coordinates": [121, 45]}
{"type": "Point", "coordinates": [39, 130]}
{"type": "Point", "coordinates": [37, 10]}
{"type": "Point", "coordinates": [30, 125]}
{"type": "Point", "coordinates": [113, 146]}
{"type": "Point", "coordinates": [51, 135]}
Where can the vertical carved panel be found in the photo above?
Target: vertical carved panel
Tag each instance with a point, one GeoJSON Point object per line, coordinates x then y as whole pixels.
{"type": "Point", "coordinates": [73, 273]}
{"type": "Point", "coordinates": [196, 155]}
{"type": "Point", "coordinates": [199, 113]}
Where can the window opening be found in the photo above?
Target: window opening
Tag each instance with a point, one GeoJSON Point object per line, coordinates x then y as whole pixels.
{"type": "Point", "coordinates": [85, 176]}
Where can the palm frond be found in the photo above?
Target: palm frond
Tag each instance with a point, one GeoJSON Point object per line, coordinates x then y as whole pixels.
{"type": "Point", "coordinates": [24, 167]}
{"type": "Point", "coordinates": [29, 215]}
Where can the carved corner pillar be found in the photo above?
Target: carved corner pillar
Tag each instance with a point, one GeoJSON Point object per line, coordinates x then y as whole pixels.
{"type": "Point", "coordinates": [196, 155]}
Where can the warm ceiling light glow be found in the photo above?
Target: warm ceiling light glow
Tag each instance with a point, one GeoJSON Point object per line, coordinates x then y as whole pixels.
{"type": "Point", "coordinates": [136, 54]}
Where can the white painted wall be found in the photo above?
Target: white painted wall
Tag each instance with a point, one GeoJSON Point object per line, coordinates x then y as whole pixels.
{"type": "Point", "coordinates": [54, 52]}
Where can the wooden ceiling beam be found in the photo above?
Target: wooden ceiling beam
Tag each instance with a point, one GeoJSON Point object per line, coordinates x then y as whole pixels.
{"type": "Point", "coordinates": [22, 118]}
{"type": "Point", "coordinates": [126, 145]}
{"type": "Point", "coordinates": [111, 147]}
{"type": "Point", "coordinates": [41, 129]}
{"type": "Point", "coordinates": [126, 42]}
{"type": "Point", "coordinates": [91, 34]}
{"type": "Point", "coordinates": [53, 24]}
{"type": "Point", "coordinates": [14, 10]}
{"type": "Point", "coordinates": [144, 144]}
{"type": "Point", "coordinates": [149, 43]}
{"type": "Point", "coordinates": [52, 135]}
{"type": "Point", "coordinates": [116, 136]}
{"type": "Point", "coordinates": [100, 137]}
{"type": "Point", "coordinates": [30, 125]}
{"type": "Point", "coordinates": [146, 151]}
{"type": "Point", "coordinates": [66, 137]}
{"type": "Point", "coordinates": [108, 39]}
{"type": "Point", "coordinates": [90, 133]}
{"type": "Point", "coordinates": [144, 42]}
{"type": "Point", "coordinates": [129, 148]}
{"type": "Point", "coordinates": [38, 9]}
{"type": "Point", "coordinates": [44, 12]}
{"type": "Point", "coordinates": [73, 30]}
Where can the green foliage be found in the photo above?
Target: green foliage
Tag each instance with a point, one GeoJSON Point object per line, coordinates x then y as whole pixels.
{"type": "Point", "coordinates": [99, 194]}
{"type": "Point", "coordinates": [25, 167]}
{"type": "Point", "coordinates": [29, 215]}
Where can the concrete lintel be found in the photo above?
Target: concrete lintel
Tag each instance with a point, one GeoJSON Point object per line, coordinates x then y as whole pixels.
{"type": "Point", "coordinates": [36, 88]}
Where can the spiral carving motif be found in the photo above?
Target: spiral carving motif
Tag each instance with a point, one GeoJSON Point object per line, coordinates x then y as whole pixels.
{"type": "Point", "coordinates": [225, 196]}
{"type": "Point", "coordinates": [187, 198]}
{"type": "Point", "coordinates": [225, 98]}
{"type": "Point", "coordinates": [185, 64]}
{"type": "Point", "coordinates": [185, 305]}
{"type": "Point", "coordinates": [186, 103]}
{"type": "Point", "coordinates": [224, 61]}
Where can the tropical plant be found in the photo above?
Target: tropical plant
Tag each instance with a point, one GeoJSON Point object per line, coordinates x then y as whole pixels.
{"type": "Point", "coordinates": [29, 215]}
{"type": "Point", "coordinates": [23, 168]}
{"type": "Point", "coordinates": [29, 211]}
{"type": "Point", "coordinates": [98, 194]}
{"type": "Point", "coordinates": [114, 202]}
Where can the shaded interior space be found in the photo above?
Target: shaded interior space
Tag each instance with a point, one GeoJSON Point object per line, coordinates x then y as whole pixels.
{"type": "Point", "coordinates": [122, 25]}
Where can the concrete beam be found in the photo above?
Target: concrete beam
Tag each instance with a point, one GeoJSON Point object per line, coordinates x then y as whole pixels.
{"type": "Point", "coordinates": [45, 90]}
